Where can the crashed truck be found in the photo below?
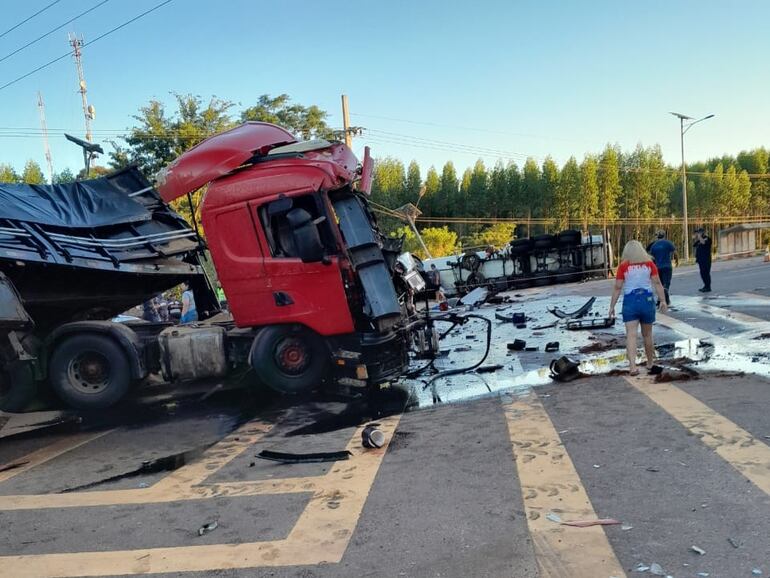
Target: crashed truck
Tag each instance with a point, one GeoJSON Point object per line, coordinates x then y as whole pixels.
{"type": "Point", "coordinates": [566, 257]}
{"type": "Point", "coordinates": [315, 293]}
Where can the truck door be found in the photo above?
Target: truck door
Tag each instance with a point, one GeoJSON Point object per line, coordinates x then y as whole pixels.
{"type": "Point", "coordinates": [293, 291]}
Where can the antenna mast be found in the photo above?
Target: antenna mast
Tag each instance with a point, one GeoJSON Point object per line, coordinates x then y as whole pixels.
{"type": "Point", "coordinates": [41, 108]}
{"type": "Point", "coordinates": [88, 109]}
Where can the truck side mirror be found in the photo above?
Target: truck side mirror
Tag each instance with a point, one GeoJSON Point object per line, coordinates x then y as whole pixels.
{"type": "Point", "coordinates": [307, 241]}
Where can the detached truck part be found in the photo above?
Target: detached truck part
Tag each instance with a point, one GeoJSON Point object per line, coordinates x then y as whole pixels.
{"type": "Point", "coordinates": [312, 286]}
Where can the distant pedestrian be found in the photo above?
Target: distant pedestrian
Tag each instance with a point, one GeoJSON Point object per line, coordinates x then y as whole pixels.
{"type": "Point", "coordinates": [189, 312]}
{"type": "Point", "coordinates": [663, 251]}
{"type": "Point", "coordinates": [637, 277]}
{"type": "Point", "coordinates": [150, 310]}
{"type": "Point", "coordinates": [702, 244]}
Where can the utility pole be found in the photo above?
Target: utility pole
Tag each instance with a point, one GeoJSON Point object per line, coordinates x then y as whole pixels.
{"type": "Point", "coordinates": [88, 110]}
{"type": "Point", "coordinates": [683, 128]}
{"type": "Point", "coordinates": [346, 122]}
{"type": "Point", "coordinates": [41, 108]}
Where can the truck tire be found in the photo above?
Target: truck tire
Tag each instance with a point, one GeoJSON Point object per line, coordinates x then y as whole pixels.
{"type": "Point", "coordinates": [521, 246]}
{"type": "Point", "coordinates": [289, 359]}
{"type": "Point", "coordinates": [18, 387]}
{"type": "Point", "coordinates": [89, 371]}
{"type": "Point", "coordinates": [569, 238]}
{"type": "Point", "coordinates": [544, 241]}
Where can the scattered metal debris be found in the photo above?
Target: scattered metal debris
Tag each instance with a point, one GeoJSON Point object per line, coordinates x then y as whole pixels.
{"type": "Point", "coordinates": [756, 572]}
{"type": "Point", "coordinates": [207, 528]}
{"type": "Point", "coordinates": [580, 312]}
{"type": "Point", "coordinates": [733, 543]}
{"type": "Point", "coordinates": [292, 458]}
{"type": "Point", "coordinates": [478, 295]}
{"type": "Point", "coordinates": [626, 527]}
{"type": "Point", "coordinates": [531, 348]}
{"type": "Point", "coordinates": [657, 569]}
{"type": "Point", "coordinates": [564, 369]}
{"type": "Point", "coordinates": [697, 550]}
{"type": "Point", "coordinates": [553, 517]}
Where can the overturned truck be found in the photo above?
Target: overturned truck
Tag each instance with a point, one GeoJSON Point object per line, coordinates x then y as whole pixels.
{"type": "Point", "coordinates": [314, 295]}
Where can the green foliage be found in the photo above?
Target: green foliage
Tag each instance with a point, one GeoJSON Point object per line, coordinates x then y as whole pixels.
{"type": "Point", "coordinates": [7, 174]}
{"type": "Point", "coordinates": [498, 235]}
{"type": "Point", "coordinates": [388, 182]}
{"type": "Point", "coordinates": [609, 184]}
{"type": "Point", "coordinates": [587, 204]}
{"type": "Point", "coordinates": [440, 241]}
{"type": "Point", "coordinates": [429, 205]}
{"type": "Point", "coordinates": [305, 121]}
{"type": "Point", "coordinates": [413, 185]}
{"type": "Point", "coordinates": [566, 197]}
{"type": "Point", "coordinates": [65, 176]}
{"type": "Point", "coordinates": [33, 174]}
{"type": "Point", "coordinates": [448, 191]}
{"type": "Point", "coordinates": [93, 173]}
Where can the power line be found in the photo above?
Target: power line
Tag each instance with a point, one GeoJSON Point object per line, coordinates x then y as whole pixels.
{"type": "Point", "coordinates": [89, 43]}
{"type": "Point", "coordinates": [12, 28]}
{"type": "Point", "coordinates": [39, 38]}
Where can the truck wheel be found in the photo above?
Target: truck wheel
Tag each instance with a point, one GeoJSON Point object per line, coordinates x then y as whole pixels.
{"type": "Point", "coordinates": [89, 371]}
{"type": "Point", "coordinates": [289, 359]}
{"type": "Point", "coordinates": [17, 386]}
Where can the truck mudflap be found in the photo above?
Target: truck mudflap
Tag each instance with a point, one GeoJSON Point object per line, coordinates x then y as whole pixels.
{"type": "Point", "coordinates": [366, 256]}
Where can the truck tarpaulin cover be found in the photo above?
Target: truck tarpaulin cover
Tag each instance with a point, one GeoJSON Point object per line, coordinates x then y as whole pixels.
{"type": "Point", "coordinates": [85, 204]}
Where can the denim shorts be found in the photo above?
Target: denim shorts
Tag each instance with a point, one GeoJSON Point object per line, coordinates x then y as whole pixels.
{"type": "Point", "coordinates": [639, 305]}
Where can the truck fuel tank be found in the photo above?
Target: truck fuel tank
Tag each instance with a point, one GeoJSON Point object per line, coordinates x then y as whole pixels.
{"type": "Point", "coordinates": [192, 352]}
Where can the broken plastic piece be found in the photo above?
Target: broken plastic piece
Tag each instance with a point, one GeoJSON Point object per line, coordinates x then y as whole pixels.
{"type": "Point", "coordinates": [626, 527]}
{"type": "Point", "coordinates": [532, 348]}
{"type": "Point", "coordinates": [206, 528]}
{"type": "Point", "coordinates": [552, 346]}
{"type": "Point", "coordinates": [587, 523]}
{"type": "Point", "coordinates": [575, 314]}
{"type": "Point", "coordinates": [517, 345]}
{"type": "Point", "coordinates": [564, 369]}
{"type": "Point", "coordinates": [600, 323]}
{"type": "Point", "coordinates": [290, 458]}
{"type": "Point", "coordinates": [756, 572]}
{"type": "Point", "coordinates": [697, 550]}
{"type": "Point", "coordinates": [733, 543]}
{"type": "Point", "coordinates": [641, 567]}
{"type": "Point", "coordinates": [553, 517]}
{"type": "Point", "coordinates": [656, 569]}
{"type": "Point", "coordinates": [478, 295]}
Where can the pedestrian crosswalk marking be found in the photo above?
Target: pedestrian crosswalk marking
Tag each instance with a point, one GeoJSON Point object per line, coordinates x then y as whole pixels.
{"type": "Point", "coordinates": [747, 454]}
{"type": "Point", "coordinates": [550, 484]}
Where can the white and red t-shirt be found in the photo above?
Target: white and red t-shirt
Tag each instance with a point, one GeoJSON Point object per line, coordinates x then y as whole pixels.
{"type": "Point", "coordinates": [636, 276]}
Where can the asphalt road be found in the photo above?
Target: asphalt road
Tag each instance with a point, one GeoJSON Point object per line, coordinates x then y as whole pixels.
{"type": "Point", "coordinates": [473, 488]}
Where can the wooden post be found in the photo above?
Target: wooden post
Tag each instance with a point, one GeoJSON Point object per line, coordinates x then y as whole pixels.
{"type": "Point", "coordinates": [346, 121]}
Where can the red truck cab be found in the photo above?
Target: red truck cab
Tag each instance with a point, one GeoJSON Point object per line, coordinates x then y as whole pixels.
{"type": "Point", "coordinates": [297, 253]}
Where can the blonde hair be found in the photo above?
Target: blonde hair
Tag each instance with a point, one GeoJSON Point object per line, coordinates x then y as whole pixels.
{"type": "Point", "coordinates": [634, 252]}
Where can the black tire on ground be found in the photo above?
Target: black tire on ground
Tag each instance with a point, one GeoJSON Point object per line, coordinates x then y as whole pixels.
{"type": "Point", "coordinates": [569, 238]}
{"type": "Point", "coordinates": [474, 280]}
{"type": "Point", "coordinates": [89, 371]}
{"type": "Point", "coordinates": [289, 359]}
{"type": "Point", "coordinates": [544, 241]}
{"type": "Point", "coordinates": [17, 386]}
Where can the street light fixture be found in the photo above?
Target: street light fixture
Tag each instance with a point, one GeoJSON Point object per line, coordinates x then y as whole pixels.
{"type": "Point", "coordinates": [683, 128]}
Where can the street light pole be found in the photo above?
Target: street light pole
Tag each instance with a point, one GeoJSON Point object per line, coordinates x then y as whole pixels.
{"type": "Point", "coordinates": [683, 129]}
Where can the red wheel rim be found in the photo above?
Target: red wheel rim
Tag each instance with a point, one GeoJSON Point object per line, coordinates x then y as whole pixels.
{"type": "Point", "coordinates": [292, 356]}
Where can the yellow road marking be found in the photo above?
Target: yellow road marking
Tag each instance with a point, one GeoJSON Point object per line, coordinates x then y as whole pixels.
{"type": "Point", "coordinates": [550, 483]}
{"type": "Point", "coordinates": [321, 534]}
{"type": "Point", "coordinates": [747, 454]}
{"type": "Point", "coordinates": [50, 452]}
{"type": "Point", "coordinates": [181, 484]}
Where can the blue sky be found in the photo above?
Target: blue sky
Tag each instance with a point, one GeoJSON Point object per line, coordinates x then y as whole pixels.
{"type": "Point", "coordinates": [512, 78]}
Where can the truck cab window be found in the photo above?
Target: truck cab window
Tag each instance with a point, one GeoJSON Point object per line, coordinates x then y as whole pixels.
{"type": "Point", "coordinates": [278, 230]}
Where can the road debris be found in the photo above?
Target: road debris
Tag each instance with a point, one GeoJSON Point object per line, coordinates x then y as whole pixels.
{"type": "Point", "coordinates": [207, 528]}
{"type": "Point", "coordinates": [489, 368]}
{"type": "Point", "coordinates": [475, 297]}
{"type": "Point", "coordinates": [552, 346]}
{"type": "Point", "coordinates": [531, 348]}
{"type": "Point", "coordinates": [553, 517]}
{"type": "Point", "coordinates": [652, 469]}
{"type": "Point", "coordinates": [697, 550]}
{"type": "Point", "coordinates": [756, 572]}
{"type": "Point", "coordinates": [292, 458]}
{"type": "Point", "coordinates": [564, 369]}
{"type": "Point", "coordinates": [626, 527]}
{"type": "Point", "coordinates": [588, 523]}
{"type": "Point", "coordinates": [641, 568]}
{"type": "Point", "coordinates": [580, 312]}
{"type": "Point", "coordinates": [703, 574]}
{"type": "Point", "coordinates": [599, 323]}
{"type": "Point", "coordinates": [371, 437]}
{"type": "Point", "coordinates": [657, 569]}
{"type": "Point", "coordinates": [517, 345]}
{"type": "Point", "coordinates": [733, 543]}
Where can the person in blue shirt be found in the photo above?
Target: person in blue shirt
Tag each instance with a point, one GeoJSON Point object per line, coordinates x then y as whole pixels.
{"type": "Point", "coordinates": [663, 251]}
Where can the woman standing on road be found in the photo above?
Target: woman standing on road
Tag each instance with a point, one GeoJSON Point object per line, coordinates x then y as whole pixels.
{"type": "Point", "coordinates": [637, 277]}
